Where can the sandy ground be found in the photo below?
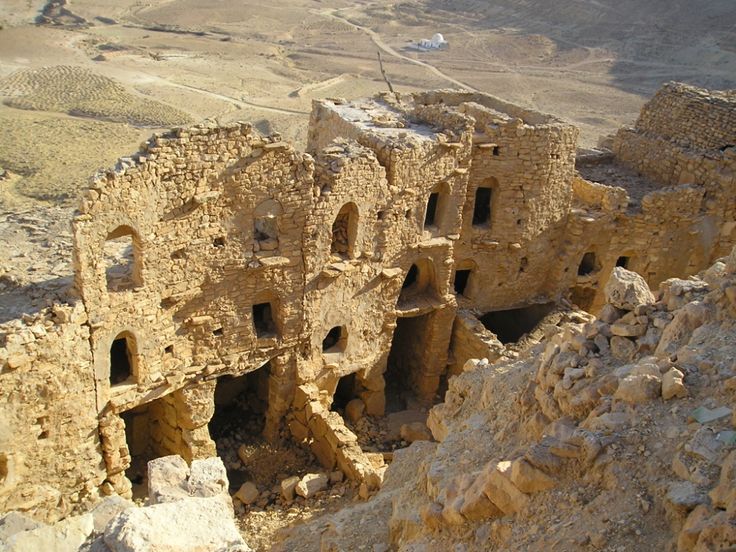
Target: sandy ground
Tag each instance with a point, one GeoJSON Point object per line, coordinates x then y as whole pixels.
{"type": "Point", "coordinates": [166, 62]}
{"type": "Point", "coordinates": [84, 85]}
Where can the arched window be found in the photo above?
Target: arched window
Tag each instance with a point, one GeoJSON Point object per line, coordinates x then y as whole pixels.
{"type": "Point", "coordinates": [123, 367]}
{"type": "Point", "coordinates": [624, 261]}
{"type": "Point", "coordinates": [122, 253]}
{"type": "Point", "coordinates": [588, 264]}
{"type": "Point", "coordinates": [266, 226]}
{"type": "Point", "coordinates": [336, 340]}
{"type": "Point", "coordinates": [420, 280]}
{"type": "Point", "coordinates": [345, 231]}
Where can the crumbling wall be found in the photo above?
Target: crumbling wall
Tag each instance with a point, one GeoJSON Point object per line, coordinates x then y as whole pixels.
{"type": "Point", "coordinates": [422, 175]}
{"type": "Point", "coordinates": [214, 251]}
{"type": "Point", "coordinates": [201, 267]}
{"type": "Point", "coordinates": [199, 204]}
{"type": "Point", "coordinates": [681, 227]}
{"type": "Point", "coordinates": [348, 291]}
{"type": "Point", "coordinates": [528, 170]}
{"type": "Point", "coordinates": [470, 339]}
{"type": "Point", "coordinates": [691, 117]}
{"type": "Point", "coordinates": [334, 445]}
{"type": "Point", "coordinates": [50, 458]}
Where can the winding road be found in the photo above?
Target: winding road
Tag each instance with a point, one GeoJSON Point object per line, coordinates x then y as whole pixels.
{"type": "Point", "coordinates": [378, 41]}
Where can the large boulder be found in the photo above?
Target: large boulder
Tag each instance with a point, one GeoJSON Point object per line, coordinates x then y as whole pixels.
{"type": "Point", "coordinates": [626, 290]}
{"type": "Point", "coordinates": [187, 525]}
{"type": "Point", "coordinates": [190, 511]}
{"type": "Point", "coordinates": [108, 508]}
{"type": "Point", "coordinates": [171, 479]}
{"type": "Point", "coordinates": [167, 479]}
{"type": "Point", "coordinates": [15, 522]}
{"type": "Point", "coordinates": [208, 477]}
{"type": "Point", "coordinates": [65, 536]}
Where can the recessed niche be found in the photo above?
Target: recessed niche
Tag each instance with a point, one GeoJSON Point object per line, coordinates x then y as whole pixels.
{"type": "Point", "coordinates": [336, 340]}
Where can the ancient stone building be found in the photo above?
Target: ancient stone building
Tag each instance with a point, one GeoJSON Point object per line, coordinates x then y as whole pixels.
{"type": "Point", "coordinates": [415, 233]}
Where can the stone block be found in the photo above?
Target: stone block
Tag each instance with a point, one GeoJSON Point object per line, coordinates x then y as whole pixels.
{"type": "Point", "coordinates": [529, 479]}
{"type": "Point", "coordinates": [187, 525]}
{"type": "Point", "coordinates": [247, 493]}
{"type": "Point", "coordinates": [311, 484]}
{"type": "Point", "coordinates": [496, 484]}
{"type": "Point", "coordinates": [324, 453]}
{"type": "Point", "coordinates": [626, 289]}
{"type": "Point", "coordinates": [288, 487]}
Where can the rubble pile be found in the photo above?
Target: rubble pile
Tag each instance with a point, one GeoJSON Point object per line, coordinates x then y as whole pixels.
{"type": "Point", "coordinates": [609, 434]}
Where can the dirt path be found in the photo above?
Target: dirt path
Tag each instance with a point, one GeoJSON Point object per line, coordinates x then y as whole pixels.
{"type": "Point", "coordinates": [241, 103]}
{"type": "Point", "coordinates": [378, 41]}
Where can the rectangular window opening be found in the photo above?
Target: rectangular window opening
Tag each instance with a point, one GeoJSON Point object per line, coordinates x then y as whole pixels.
{"type": "Point", "coordinates": [461, 281]}
{"type": "Point", "coordinates": [430, 217]}
{"type": "Point", "coordinates": [263, 321]}
{"type": "Point", "coordinates": [482, 208]}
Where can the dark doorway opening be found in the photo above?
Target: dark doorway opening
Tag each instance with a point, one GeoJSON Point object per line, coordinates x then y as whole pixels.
{"type": "Point", "coordinates": [461, 281]}
{"type": "Point", "coordinates": [588, 264]}
{"type": "Point", "coordinates": [237, 427]}
{"type": "Point", "coordinates": [145, 439]}
{"type": "Point", "coordinates": [344, 392]}
{"type": "Point", "coordinates": [623, 262]}
{"type": "Point", "coordinates": [429, 218]}
{"type": "Point", "coordinates": [121, 361]}
{"type": "Point", "coordinates": [263, 321]}
{"type": "Point", "coordinates": [404, 361]}
{"type": "Point", "coordinates": [482, 207]}
{"type": "Point", "coordinates": [241, 404]}
{"type": "Point", "coordinates": [511, 325]}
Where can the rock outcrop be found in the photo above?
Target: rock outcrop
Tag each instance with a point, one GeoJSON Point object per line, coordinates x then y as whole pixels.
{"type": "Point", "coordinates": [572, 446]}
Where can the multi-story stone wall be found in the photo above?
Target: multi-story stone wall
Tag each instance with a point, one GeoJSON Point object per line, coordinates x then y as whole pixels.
{"type": "Point", "coordinates": [424, 151]}
{"type": "Point", "coordinates": [521, 170]}
{"type": "Point", "coordinates": [215, 219]}
{"type": "Point", "coordinates": [664, 204]}
{"type": "Point", "coordinates": [418, 231]}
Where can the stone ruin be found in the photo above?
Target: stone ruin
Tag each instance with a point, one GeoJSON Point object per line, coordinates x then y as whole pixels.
{"type": "Point", "coordinates": [415, 234]}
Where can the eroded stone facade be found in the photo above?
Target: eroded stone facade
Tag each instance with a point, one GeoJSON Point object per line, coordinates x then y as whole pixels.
{"type": "Point", "coordinates": [413, 235]}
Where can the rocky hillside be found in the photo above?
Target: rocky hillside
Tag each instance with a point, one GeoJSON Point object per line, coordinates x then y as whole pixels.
{"type": "Point", "coordinates": [615, 435]}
